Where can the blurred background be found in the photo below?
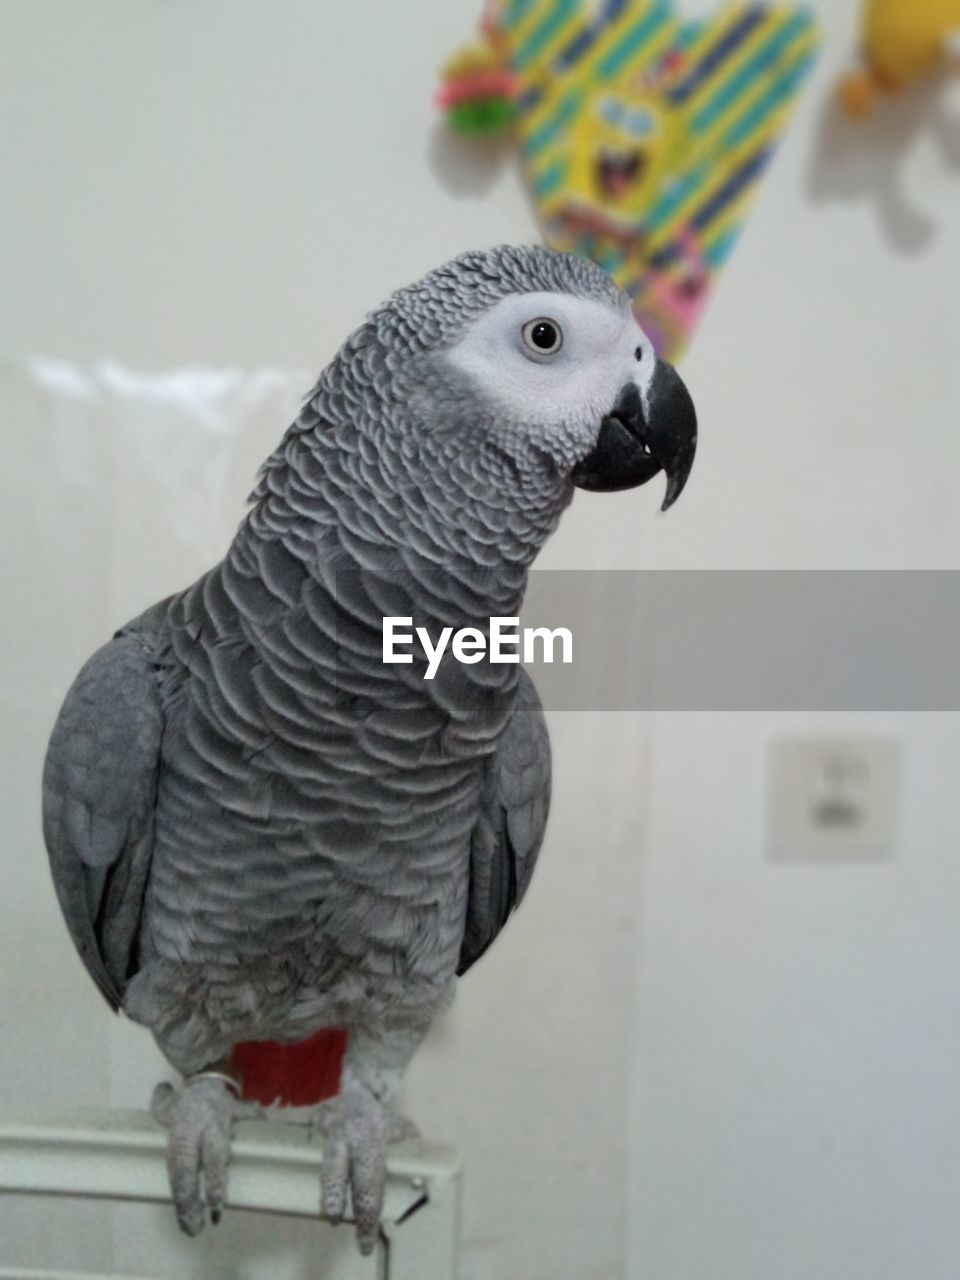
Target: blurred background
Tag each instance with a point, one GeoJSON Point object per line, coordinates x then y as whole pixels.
{"type": "Point", "coordinates": [686, 1058]}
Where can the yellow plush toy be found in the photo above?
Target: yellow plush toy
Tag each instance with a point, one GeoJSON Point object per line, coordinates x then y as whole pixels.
{"type": "Point", "coordinates": [902, 41]}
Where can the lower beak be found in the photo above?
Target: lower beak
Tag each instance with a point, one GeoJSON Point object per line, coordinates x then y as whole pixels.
{"type": "Point", "coordinates": [633, 445]}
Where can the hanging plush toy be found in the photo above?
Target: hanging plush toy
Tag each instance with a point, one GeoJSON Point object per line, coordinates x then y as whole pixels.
{"type": "Point", "coordinates": [643, 135]}
{"type": "Point", "coordinates": [478, 90]}
{"type": "Point", "coordinates": [902, 40]}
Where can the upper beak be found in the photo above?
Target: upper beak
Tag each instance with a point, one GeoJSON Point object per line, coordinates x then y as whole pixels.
{"type": "Point", "coordinates": [633, 445]}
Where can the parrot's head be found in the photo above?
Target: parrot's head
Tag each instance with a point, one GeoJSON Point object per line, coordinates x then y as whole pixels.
{"type": "Point", "coordinates": [534, 358]}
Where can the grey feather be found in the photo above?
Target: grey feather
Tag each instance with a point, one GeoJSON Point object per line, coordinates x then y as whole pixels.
{"type": "Point", "coordinates": [256, 829]}
{"type": "Point", "coordinates": [511, 826]}
{"type": "Point", "coordinates": [99, 786]}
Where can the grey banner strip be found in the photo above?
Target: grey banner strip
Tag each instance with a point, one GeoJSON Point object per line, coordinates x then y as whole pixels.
{"type": "Point", "coordinates": [751, 641]}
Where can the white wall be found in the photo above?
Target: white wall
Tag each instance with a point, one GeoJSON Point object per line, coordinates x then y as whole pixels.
{"type": "Point", "coordinates": [796, 1028]}
{"type": "Point", "coordinates": [692, 1064]}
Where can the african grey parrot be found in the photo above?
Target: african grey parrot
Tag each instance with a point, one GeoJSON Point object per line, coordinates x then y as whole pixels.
{"type": "Point", "coordinates": [256, 828]}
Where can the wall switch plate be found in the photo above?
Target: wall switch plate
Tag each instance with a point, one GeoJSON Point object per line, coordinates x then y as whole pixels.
{"type": "Point", "coordinates": [834, 798]}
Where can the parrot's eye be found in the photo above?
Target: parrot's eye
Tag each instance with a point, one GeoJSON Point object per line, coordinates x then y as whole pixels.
{"type": "Point", "coordinates": [542, 336]}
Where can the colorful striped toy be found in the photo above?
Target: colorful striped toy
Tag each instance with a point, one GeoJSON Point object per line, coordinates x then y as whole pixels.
{"type": "Point", "coordinates": [644, 137]}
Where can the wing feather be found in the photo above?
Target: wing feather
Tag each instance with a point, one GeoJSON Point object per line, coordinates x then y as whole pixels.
{"type": "Point", "coordinates": [511, 825]}
{"type": "Point", "coordinates": [99, 792]}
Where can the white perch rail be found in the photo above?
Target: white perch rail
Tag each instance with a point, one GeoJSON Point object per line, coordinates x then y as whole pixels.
{"type": "Point", "coordinates": [120, 1155]}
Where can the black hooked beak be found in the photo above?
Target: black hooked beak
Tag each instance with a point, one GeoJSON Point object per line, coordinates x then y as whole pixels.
{"type": "Point", "coordinates": [633, 446]}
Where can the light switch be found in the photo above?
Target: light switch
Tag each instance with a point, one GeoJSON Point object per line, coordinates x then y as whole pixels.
{"type": "Point", "coordinates": [833, 798]}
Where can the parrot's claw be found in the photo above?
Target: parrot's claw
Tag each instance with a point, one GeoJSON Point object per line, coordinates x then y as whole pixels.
{"type": "Point", "coordinates": [357, 1127]}
{"type": "Point", "coordinates": [199, 1117]}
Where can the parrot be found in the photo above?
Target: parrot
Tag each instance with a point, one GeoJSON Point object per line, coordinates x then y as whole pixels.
{"type": "Point", "coordinates": [257, 828]}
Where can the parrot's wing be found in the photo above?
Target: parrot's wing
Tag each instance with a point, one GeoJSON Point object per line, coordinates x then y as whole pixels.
{"type": "Point", "coordinates": [513, 818]}
{"type": "Point", "coordinates": [99, 791]}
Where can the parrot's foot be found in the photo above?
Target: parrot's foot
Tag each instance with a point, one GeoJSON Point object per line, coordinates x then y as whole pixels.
{"type": "Point", "coordinates": [357, 1126]}
{"type": "Point", "coordinates": [199, 1117]}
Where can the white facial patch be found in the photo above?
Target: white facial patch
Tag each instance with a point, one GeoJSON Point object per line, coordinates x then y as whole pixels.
{"type": "Point", "coordinates": [577, 384]}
